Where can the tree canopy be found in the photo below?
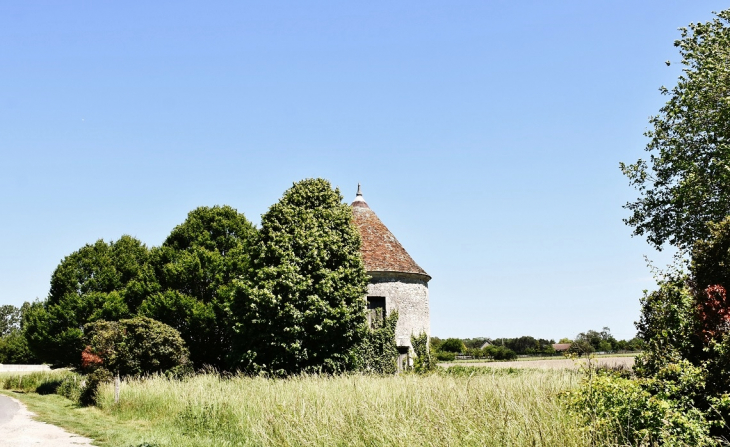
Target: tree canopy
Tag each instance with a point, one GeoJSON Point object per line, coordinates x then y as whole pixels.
{"type": "Point", "coordinates": [196, 266]}
{"type": "Point", "coordinates": [100, 281]}
{"type": "Point", "coordinates": [13, 344]}
{"type": "Point", "coordinates": [302, 306]}
{"type": "Point", "coordinates": [686, 181]}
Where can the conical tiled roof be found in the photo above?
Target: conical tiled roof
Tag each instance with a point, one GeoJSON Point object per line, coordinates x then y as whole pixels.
{"type": "Point", "coordinates": [381, 251]}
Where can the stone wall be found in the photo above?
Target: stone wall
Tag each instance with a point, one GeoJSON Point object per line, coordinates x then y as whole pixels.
{"type": "Point", "coordinates": [407, 293]}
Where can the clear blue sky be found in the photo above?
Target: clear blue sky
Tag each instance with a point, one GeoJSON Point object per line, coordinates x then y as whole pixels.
{"type": "Point", "coordinates": [486, 135]}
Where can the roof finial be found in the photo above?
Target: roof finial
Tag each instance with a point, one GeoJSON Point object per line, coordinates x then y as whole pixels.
{"type": "Point", "coordinates": [359, 200]}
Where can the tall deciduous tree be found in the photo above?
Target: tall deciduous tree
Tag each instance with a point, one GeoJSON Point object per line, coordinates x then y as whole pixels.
{"type": "Point", "coordinates": [196, 266]}
{"type": "Point", "coordinates": [13, 345]}
{"type": "Point", "coordinates": [302, 307]}
{"type": "Point", "coordinates": [100, 281]}
{"type": "Point", "coordinates": [686, 181]}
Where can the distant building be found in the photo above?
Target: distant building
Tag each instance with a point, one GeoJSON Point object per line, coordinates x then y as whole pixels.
{"type": "Point", "coordinates": [561, 347]}
{"type": "Point", "coordinates": [397, 282]}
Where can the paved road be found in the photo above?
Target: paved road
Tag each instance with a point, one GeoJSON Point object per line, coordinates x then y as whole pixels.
{"type": "Point", "coordinates": [17, 429]}
{"type": "Point", "coordinates": [8, 408]}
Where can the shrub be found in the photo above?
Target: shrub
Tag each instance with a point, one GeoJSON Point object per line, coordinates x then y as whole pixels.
{"type": "Point", "coordinates": [90, 392]}
{"type": "Point", "coordinates": [70, 387]}
{"type": "Point", "coordinates": [454, 345]}
{"type": "Point", "coordinates": [499, 353]}
{"type": "Point", "coordinates": [137, 346]}
{"type": "Point", "coordinates": [423, 363]}
{"type": "Point", "coordinates": [444, 356]}
{"type": "Point", "coordinates": [621, 411]}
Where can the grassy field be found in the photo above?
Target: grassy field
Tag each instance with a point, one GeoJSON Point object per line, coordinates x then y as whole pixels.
{"type": "Point", "coordinates": [462, 406]}
{"type": "Point", "coordinates": [535, 358]}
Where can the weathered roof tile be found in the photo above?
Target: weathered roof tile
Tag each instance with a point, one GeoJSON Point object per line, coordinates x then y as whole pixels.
{"type": "Point", "coordinates": [381, 251]}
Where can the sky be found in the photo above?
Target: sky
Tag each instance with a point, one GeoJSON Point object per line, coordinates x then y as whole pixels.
{"type": "Point", "coordinates": [486, 136]}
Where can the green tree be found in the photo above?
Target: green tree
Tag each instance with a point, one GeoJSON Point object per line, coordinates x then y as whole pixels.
{"type": "Point", "coordinates": [9, 319]}
{"type": "Point", "coordinates": [454, 345]}
{"type": "Point", "coordinates": [302, 307]}
{"type": "Point", "coordinates": [13, 345]}
{"type": "Point", "coordinates": [100, 281]}
{"type": "Point", "coordinates": [599, 341]}
{"type": "Point", "coordinates": [196, 266]}
{"type": "Point", "coordinates": [686, 181]}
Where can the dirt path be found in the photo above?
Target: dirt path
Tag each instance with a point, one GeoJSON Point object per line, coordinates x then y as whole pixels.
{"type": "Point", "coordinates": [18, 429]}
{"type": "Point", "coordinates": [626, 362]}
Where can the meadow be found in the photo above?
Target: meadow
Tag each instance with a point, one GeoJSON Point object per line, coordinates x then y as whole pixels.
{"type": "Point", "coordinates": [459, 406]}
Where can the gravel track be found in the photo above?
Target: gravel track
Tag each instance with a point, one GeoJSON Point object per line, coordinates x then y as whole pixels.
{"type": "Point", "coordinates": [18, 429]}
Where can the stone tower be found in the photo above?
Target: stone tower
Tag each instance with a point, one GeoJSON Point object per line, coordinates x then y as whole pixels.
{"type": "Point", "coordinates": [397, 282]}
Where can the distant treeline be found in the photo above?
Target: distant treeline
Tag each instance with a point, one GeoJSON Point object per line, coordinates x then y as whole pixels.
{"type": "Point", "coordinates": [509, 348]}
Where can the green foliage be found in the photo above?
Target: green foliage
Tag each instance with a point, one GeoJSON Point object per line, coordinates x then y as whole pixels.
{"type": "Point", "coordinates": [498, 353]}
{"type": "Point", "coordinates": [454, 345]}
{"type": "Point", "coordinates": [625, 412]}
{"type": "Point", "coordinates": [527, 345]}
{"type": "Point", "coordinates": [101, 281]}
{"type": "Point", "coordinates": [10, 317]}
{"type": "Point", "coordinates": [302, 306]}
{"type": "Point", "coordinates": [683, 376]}
{"type": "Point", "coordinates": [668, 325]}
{"type": "Point", "coordinates": [599, 341]}
{"type": "Point", "coordinates": [435, 343]}
{"type": "Point", "coordinates": [475, 343]}
{"type": "Point", "coordinates": [89, 394]}
{"type": "Point", "coordinates": [445, 356]}
{"type": "Point", "coordinates": [70, 387]}
{"type": "Point", "coordinates": [13, 344]}
{"type": "Point", "coordinates": [687, 182]}
{"type": "Point", "coordinates": [377, 351]}
{"type": "Point", "coordinates": [14, 349]}
{"type": "Point", "coordinates": [711, 257]}
{"type": "Point", "coordinates": [137, 346]}
{"type": "Point", "coordinates": [196, 266]}
{"type": "Point", "coordinates": [41, 382]}
{"type": "Point", "coordinates": [423, 362]}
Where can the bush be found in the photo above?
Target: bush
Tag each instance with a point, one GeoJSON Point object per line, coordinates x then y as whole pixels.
{"type": "Point", "coordinates": [70, 387]}
{"type": "Point", "coordinates": [454, 345]}
{"type": "Point", "coordinates": [443, 356]}
{"type": "Point", "coordinates": [499, 353]}
{"type": "Point", "coordinates": [137, 346]}
{"type": "Point", "coordinates": [423, 363]}
{"type": "Point", "coordinates": [616, 410]}
{"type": "Point", "coordinates": [89, 394]}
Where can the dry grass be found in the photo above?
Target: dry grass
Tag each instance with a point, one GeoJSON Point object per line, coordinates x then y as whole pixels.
{"type": "Point", "coordinates": [488, 408]}
{"type": "Point", "coordinates": [462, 406]}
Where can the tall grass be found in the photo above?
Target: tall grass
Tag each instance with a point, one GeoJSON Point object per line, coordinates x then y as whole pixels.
{"type": "Point", "coordinates": [468, 406]}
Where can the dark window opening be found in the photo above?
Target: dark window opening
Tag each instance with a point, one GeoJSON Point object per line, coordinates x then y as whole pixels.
{"type": "Point", "coordinates": [376, 311]}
